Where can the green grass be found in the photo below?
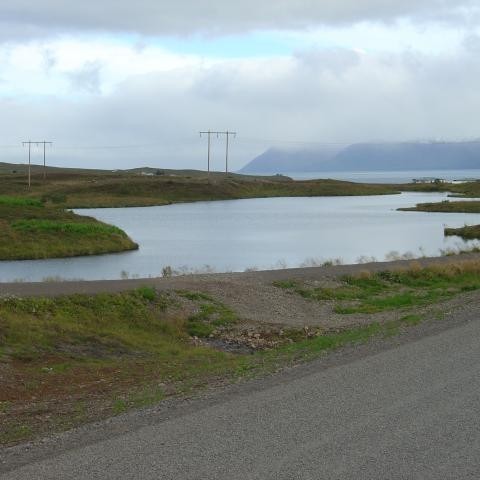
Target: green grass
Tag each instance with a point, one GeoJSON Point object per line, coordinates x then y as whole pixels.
{"type": "Point", "coordinates": [392, 290]}
{"type": "Point", "coordinates": [31, 230]}
{"type": "Point", "coordinates": [19, 201]}
{"type": "Point", "coordinates": [35, 225]}
{"type": "Point", "coordinates": [32, 327]}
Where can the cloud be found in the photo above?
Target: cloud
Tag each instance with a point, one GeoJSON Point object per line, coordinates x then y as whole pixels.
{"type": "Point", "coordinates": [87, 78]}
{"type": "Point", "coordinates": [27, 19]}
{"type": "Point", "coordinates": [49, 60]}
{"type": "Point", "coordinates": [335, 60]}
{"type": "Point", "coordinates": [316, 95]}
{"type": "Point", "coordinates": [472, 43]}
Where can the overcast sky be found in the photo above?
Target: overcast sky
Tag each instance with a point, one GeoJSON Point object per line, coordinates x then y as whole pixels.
{"type": "Point", "coordinates": [123, 83]}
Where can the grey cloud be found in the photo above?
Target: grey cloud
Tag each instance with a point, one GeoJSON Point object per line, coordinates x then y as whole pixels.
{"type": "Point", "coordinates": [87, 78]}
{"type": "Point", "coordinates": [153, 17]}
{"type": "Point", "coordinates": [18, 30]}
{"type": "Point", "coordinates": [334, 60]}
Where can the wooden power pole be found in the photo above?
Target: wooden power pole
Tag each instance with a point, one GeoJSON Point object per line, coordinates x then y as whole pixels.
{"type": "Point", "coordinates": [227, 135]}
{"type": "Point", "coordinates": [30, 143]}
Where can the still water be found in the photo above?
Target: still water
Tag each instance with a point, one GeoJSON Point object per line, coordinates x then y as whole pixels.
{"type": "Point", "coordinates": [261, 233]}
{"type": "Point", "coordinates": [405, 176]}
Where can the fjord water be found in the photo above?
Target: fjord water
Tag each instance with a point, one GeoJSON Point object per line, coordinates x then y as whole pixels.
{"type": "Point", "coordinates": [261, 233]}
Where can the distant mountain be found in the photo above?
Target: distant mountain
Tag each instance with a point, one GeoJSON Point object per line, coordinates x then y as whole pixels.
{"type": "Point", "coordinates": [276, 160]}
{"type": "Point", "coordinates": [369, 157]}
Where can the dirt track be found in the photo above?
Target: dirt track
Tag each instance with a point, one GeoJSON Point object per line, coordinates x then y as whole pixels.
{"type": "Point", "coordinates": [252, 295]}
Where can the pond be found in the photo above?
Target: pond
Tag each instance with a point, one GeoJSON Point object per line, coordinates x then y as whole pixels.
{"type": "Point", "coordinates": [261, 234]}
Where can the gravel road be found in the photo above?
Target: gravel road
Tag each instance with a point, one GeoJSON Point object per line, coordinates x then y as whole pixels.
{"type": "Point", "coordinates": [401, 408]}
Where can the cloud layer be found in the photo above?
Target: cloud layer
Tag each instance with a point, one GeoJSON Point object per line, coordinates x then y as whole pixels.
{"type": "Point", "coordinates": [185, 17]}
{"type": "Point", "coordinates": [315, 95]}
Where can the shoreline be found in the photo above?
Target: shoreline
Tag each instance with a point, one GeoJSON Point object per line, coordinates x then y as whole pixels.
{"type": "Point", "coordinates": [90, 287]}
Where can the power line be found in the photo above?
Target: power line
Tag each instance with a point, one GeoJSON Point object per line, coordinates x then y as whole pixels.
{"type": "Point", "coordinates": [259, 140]}
{"type": "Point", "coordinates": [107, 147]}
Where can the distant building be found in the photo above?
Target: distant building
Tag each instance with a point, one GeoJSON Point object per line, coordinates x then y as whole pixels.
{"type": "Point", "coordinates": [429, 180]}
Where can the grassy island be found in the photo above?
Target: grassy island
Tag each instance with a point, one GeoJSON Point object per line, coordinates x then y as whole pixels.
{"type": "Point", "coordinates": [466, 232]}
{"type": "Point", "coordinates": [31, 230]}
{"type": "Point", "coordinates": [446, 207]}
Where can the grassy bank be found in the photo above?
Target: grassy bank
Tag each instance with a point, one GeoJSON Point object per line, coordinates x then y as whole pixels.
{"type": "Point", "coordinates": [69, 360]}
{"type": "Point", "coordinates": [31, 230]}
{"type": "Point", "coordinates": [123, 189]}
{"type": "Point", "coordinates": [76, 188]}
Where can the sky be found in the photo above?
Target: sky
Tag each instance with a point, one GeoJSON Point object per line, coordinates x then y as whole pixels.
{"type": "Point", "coordinates": [124, 84]}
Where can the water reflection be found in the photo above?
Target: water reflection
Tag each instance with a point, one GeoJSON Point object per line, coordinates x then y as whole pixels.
{"type": "Point", "coordinates": [259, 234]}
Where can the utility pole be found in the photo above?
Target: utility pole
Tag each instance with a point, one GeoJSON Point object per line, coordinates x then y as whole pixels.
{"type": "Point", "coordinates": [209, 133]}
{"type": "Point", "coordinates": [227, 134]}
{"type": "Point", "coordinates": [44, 164]}
{"type": "Point", "coordinates": [29, 143]}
